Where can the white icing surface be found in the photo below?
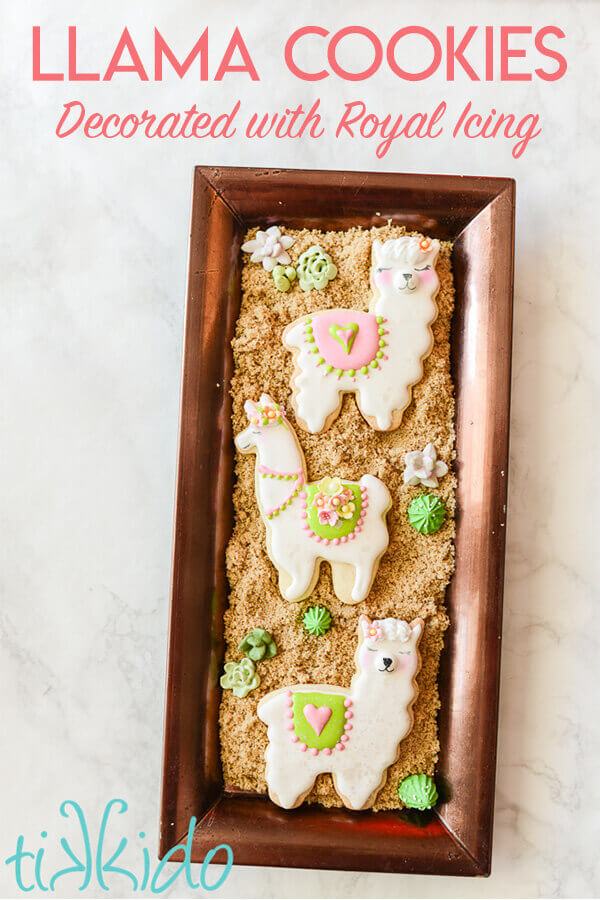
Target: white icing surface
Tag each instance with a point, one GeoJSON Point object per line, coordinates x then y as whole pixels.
{"type": "Point", "coordinates": [381, 718]}
{"type": "Point", "coordinates": [291, 549]}
{"type": "Point", "coordinates": [404, 294]}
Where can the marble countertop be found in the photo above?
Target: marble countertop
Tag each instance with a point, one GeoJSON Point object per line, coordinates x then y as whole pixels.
{"type": "Point", "coordinates": [91, 324]}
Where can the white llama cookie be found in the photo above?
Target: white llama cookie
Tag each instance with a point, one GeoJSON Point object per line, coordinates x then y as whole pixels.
{"type": "Point", "coordinates": [334, 519]}
{"type": "Point", "coordinates": [377, 355]}
{"type": "Point", "coordinates": [355, 732]}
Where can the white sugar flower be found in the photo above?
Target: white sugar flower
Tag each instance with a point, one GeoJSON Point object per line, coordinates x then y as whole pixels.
{"type": "Point", "coordinates": [270, 247]}
{"type": "Point", "coordinates": [424, 467]}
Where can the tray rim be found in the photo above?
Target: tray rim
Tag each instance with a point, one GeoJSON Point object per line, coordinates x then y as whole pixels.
{"type": "Point", "coordinates": [223, 808]}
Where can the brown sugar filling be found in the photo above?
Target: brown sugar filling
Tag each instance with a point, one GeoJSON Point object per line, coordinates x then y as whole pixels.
{"type": "Point", "coordinates": [414, 571]}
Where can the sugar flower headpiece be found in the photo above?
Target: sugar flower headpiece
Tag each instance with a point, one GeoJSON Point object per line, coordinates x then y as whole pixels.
{"type": "Point", "coordinates": [386, 629]}
{"type": "Point", "coordinates": [264, 413]}
{"type": "Point", "coordinates": [410, 250]}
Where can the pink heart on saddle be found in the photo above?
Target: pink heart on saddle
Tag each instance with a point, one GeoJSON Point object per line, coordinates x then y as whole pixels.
{"type": "Point", "coordinates": [317, 718]}
{"type": "Point", "coordinates": [344, 336]}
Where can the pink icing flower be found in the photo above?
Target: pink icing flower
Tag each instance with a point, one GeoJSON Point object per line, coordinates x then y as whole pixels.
{"type": "Point", "coordinates": [328, 517]}
{"type": "Point", "coordinates": [374, 631]}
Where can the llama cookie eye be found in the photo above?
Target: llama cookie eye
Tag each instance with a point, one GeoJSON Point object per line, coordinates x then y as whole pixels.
{"type": "Point", "coordinates": [334, 519]}
{"type": "Point", "coordinates": [353, 733]}
{"type": "Point", "coordinates": [376, 355]}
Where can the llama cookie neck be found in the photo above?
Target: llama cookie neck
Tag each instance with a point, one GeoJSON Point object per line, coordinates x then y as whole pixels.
{"type": "Point", "coordinates": [279, 469]}
{"type": "Point", "coordinates": [395, 309]}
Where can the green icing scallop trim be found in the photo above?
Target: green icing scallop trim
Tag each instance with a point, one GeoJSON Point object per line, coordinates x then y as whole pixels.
{"type": "Point", "coordinates": [334, 728]}
{"type": "Point", "coordinates": [343, 527]}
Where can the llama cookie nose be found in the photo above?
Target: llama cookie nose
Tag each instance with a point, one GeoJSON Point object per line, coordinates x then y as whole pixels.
{"type": "Point", "coordinates": [387, 661]}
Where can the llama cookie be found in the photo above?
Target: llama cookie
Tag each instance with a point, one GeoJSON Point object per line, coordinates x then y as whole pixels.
{"type": "Point", "coordinates": [377, 355]}
{"type": "Point", "coordinates": [340, 521]}
{"type": "Point", "coordinates": [353, 733]}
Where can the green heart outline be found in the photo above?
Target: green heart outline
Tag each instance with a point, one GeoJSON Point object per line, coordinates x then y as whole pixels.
{"type": "Point", "coordinates": [347, 345]}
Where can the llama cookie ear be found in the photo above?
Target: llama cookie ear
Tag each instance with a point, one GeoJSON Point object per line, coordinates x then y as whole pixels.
{"type": "Point", "coordinates": [266, 400]}
{"type": "Point", "coordinates": [376, 252]}
{"type": "Point", "coordinates": [416, 627]}
{"type": "Point", "coordinates": [351, 732]}
{"type": "Point", "coordinates": [250, 409]}
{"type": "Point", "coordinates": [364, 623]}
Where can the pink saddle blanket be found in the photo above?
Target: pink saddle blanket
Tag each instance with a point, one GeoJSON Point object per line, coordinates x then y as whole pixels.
{"type": "Point", "coordinates": [346, 338]}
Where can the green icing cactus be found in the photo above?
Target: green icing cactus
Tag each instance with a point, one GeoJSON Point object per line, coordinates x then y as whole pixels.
{"type": "Point", "coordinates": [418, 792]}
{"type": "Point", "coordinates": [427, 513]}
{"type": "Point", "coordinates": [258, 645]}
{"type": "Point", "coordinates": [317, 620]}
{"type": "Point", "coordinates": [240, 677]}
{"type": "Point", "coordinates": [283, 277]}
{"type": "Point", "coordinates": [315, 269]}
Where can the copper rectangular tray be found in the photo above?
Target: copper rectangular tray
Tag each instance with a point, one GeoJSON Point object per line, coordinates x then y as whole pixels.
{"type": "Point", "coordinates": [478, 215]}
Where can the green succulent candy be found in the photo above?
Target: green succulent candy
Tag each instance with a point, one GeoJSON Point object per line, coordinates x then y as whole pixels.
{"type": "Point", "coordinates": [418, 792]}
{"type": "Point", "coordinates": [315, 269]}
{"type": "Point", "coordinates": [258, 645]}
{"type": "Point", "coordinates": [283, 277]}
{"type": "Point", "coordinates": [427, 513]}
{"type": "Point", "coordinates": [317, 620]}
{"type": "Point", "coordinates": [240, 677]}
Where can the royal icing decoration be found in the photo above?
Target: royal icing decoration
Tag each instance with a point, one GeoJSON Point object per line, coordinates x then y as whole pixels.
{"type": "Point", "coordinates": [424, 467]}
{"type": "Point", "coordinates": [427, 513]}
{"type": "Point", "coordinates": [258, 645]}
{"type": "Point", "coordinates": [317, 620]}
{"type": "Point", "coordinates": [270, 247]}
{"type": "Point", "coordinates": [315, 269]}
{"type": "Point", "coordinates": [377, 355]}
{"type": "Point", "coordinates": [333, 519]}
{"type": "Point", "coordinates": [240, 677]}
{"type": "Point", "coordinates": [418, 792]}
{"type": "Point", "coordinates": [353, 733]}
{"type": "Point", "coordinates": [283, 276]}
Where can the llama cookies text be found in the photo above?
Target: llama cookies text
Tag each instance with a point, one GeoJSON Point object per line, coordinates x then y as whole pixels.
{"type": "Point", "coordinates": [333, 519]}
{"type": "Point", "coordinates": [377, 355]}
{"type": "Point", "coordinates": [353, 733]}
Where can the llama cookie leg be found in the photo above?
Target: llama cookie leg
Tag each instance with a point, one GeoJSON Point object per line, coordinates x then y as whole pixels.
{"type": "Point", "coordinates": [317, 399]}
{"type": "Point", "coordinates": [380, 410]}
{"type": "Point", "coordinates": [288, 785]}
{"type": "Point", "coordinates": [298, 584]}
{"type": "Point", "coordinates": [356, 790]}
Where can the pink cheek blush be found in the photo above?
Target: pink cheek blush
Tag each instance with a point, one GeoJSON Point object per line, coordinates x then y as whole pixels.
{"type": "Point", "coordinates": [382, 279]}
{"type": "Point", "coordinates": [365, 657]}
{"type": "Point", "coordinates": [427, 277]}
